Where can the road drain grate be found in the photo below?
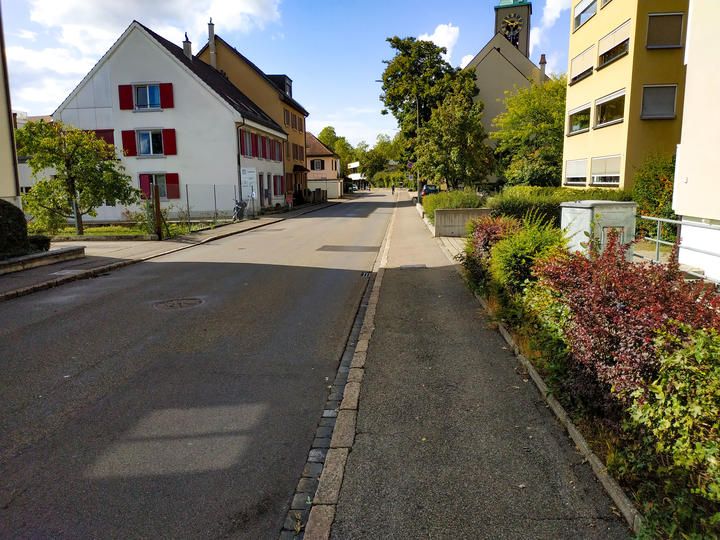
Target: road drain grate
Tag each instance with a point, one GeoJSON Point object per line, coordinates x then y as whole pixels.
{"type": "Point", "coordinates": [365, 274]}
{"type": "Point", "coordinates": [177, 303]}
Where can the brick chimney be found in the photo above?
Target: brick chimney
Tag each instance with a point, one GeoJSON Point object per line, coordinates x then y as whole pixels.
{"type": "Point", "coordinates": [211, 43]}
{"type": "Point", "coordinates": [187, 47]}
{"type": "Point", "coordinates": [543, 63]}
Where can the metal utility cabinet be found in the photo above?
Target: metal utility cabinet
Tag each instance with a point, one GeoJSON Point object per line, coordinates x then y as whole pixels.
{"type": "Point", "coordinates": [580, 219]}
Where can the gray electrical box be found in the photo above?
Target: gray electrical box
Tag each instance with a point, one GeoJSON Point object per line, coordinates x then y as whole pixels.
{"type": "Point", "coordinates": [598, 218]}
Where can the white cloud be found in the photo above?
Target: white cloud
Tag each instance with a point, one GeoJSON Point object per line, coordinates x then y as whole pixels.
{"type": "Point", "coordinates": [445, 35]}
{"type": "Point", "coordinates": [551, 13]}
{"type": "Point", "coordinates": [26, 34]}
{"type": "Point", "coordinates": [465, 60]}
{"type": "Point", "coordinates": [40, 94]}
{"type": "Point", "coordinates": [355, 123]}
{"type": "Point", "coordinates": [55, 60]}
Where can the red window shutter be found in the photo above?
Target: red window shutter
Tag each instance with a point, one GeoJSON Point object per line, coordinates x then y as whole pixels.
{"type": "Point", "coordinates": [169, 143]}
{"type": "Point", "coordinates": [166, 96]}
{"type": "Point", "coordinates": [125, 91]}
{"type": "Point", "coordinates": [172, 183]}
{"type": "Point", "coordinates": [129, 143]}
{"type": "Point", "coordinates": [145, 185]}
{"type": "Point", "coordinates": [242, 142]}
{"type": "Point", "coordinates": [254, 138]}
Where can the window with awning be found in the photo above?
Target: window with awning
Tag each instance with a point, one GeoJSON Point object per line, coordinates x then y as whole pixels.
{"type": "Point", "coordinates": [614, 45]}
{"type": "Point", "coordinates": [582, 65]}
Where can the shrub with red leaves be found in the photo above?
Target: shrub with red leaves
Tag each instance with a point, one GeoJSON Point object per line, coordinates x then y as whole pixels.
{"type": "Point", "coordinates": [617, 307]}
{"type": "Point", "coordinates": [483, 233]}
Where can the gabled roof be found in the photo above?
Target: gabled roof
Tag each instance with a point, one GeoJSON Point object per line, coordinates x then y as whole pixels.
{"type": "Point", "coordinates": [315, 147]}
{"type": "Point", "coordinates": [260, 72]}
{"type": "Point", "coordinates": [217, 82]}
{"type": "Point", "coordinates": [518, 60]}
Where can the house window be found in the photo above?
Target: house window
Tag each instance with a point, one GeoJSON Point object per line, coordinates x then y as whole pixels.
{"type": "Point", "coordinates": [247, 143]}
{"type": "Point", "coordinates": [153, 179]}
{"type": "Point", "coordinates": [606, 170]}
{"type": "Point", "coordinates": [579, 120]}
{"type": "Point", "coordinates": [664, 30]}
{"type": "Point", "coordinates": [659, 101]}
{"type": "Point", "coordinates": [317, 165]}
{"type": "Point", "coordinates": [576, 171]}
{"type": "Point", "coordinates": [584, 10]}
{"type": "Point", "coordinates": [300, 123]}
{"type": "Point", "coordinates": [286, 114]}
{"type": "Point", "coordinates": [147, 96]}
{"type": "Point", "coordinates": [294, 119]}
{"type": "Point", "coordinates": [614, 45]}
{"type": "Point", "coordinates": [610, 109]}
{"type": "Point", "coordinates": [150, 142]}
{"type": "Point", "coordinates": [582, 65]}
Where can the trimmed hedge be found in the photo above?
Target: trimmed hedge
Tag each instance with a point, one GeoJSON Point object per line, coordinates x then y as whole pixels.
{"type": "Point", "coordinates": [13, 231]}
{"type": "Point", "coordinates": [466, 198]}
{"type": "Point", "coordinates": [544, 202]}
{"type": "Point", "coordinates": [39, 242]}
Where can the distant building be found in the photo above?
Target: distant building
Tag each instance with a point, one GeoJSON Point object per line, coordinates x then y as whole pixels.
{"type": "Point", "coordinates": [180, 124]}
{"type": "Point", "coordinates": [503, 64]}
{"type": "Point", "coordinates": [9, 183]}
{"type": "Point", "coordinates": [273, 93]}
{"type": "Point", "coordinates": [696, 196]}
{"type": "Point", "coordinates": [626, 83]}
{"type": "Point", "coordinates": [324, 165]}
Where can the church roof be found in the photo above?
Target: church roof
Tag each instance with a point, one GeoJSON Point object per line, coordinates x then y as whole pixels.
{"type": "Point", "coordinates": [500, 45]}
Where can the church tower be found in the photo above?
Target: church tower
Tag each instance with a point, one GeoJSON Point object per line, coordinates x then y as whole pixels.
{"type": "Point", "coordinates": [512, 19]}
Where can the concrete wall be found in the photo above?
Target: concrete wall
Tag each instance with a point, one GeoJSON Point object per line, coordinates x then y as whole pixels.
{"type": "Point", "coordinates": [452, 221]}
{"type": "Point", "coordinates": [334, 187]}
{"type": "Point", "coordinates": [205, 125]}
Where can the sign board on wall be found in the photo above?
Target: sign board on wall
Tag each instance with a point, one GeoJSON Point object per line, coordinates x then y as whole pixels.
{"type": "Point", "coordinates": [248, 179]}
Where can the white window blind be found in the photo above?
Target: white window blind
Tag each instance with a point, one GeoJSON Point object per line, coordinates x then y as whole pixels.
{"type": "Point", "coordinates": [610, 97]}
{"type": "Point", "coordinates": [659, 101]}
{"type": "Point", "coordinates": [606, 166]}
{"type": "Point", "coordinates": [576, 169]}
{"type": "Point", "coordinates": [614, 38]}
{"type": "Point", "coordinates": [582, 62]}
{"type": "Point", "coordinates": [583, 5]}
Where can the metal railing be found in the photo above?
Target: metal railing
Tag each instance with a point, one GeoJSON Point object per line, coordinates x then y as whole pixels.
{"type": "Point", "coordinates": [679, 225]}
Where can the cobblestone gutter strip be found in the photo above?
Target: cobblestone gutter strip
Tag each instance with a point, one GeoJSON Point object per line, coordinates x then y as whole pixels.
{"type": "Point", "coordinates": [613, 489]}
{"type": "Point", "coordinates": [312, 511]}
{"type": "Point", "coordinates": [94, 272]}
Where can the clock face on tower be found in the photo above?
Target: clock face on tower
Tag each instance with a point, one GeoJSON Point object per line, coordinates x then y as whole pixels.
{"type": "Point", "coordinates": [511, 26]}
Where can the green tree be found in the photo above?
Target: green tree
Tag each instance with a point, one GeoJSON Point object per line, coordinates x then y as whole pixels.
{"type": "Point", "coordinates": [415, 81]}
{"type": "Point", "coordinates": [530, 134]}
{"type": "Point", "coordinates": [452, 144]}
{"type": "Point", "coordinates": [372, 163]}
{"type": "Point", "coordinates": [87, 172]}
{"type": "Point", "coordinates": [328, 137]}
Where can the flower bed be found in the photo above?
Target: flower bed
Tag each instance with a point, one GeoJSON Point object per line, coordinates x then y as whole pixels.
{"type": "Point", "coordinates": [633, 353]}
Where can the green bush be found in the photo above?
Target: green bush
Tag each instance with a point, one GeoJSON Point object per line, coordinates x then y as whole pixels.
{"type": "Point", "coordinates": [387, 179]}
{"type": "Point", "coordinates": [466, 198]}
{"type": "Point", "coordinates": [512, 259]}
{"type": "Point", "coordinates": [39, 242]}
{"type": "Point", "coordinates": [653, 193]}
{"type": "Point", "coordinates": [13, 231]}
{"type": "Point", "coordinates": [544, 202]}
{"type": "Point", "coordinates": [679, 415]}
{"type": "Point", "coordinates": [482, 234]}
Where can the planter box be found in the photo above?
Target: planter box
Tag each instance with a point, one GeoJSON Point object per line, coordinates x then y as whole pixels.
{"type": "Point", "coordinates": [452, 221]}
{"type": "Point", "coordinates": [43, 258]}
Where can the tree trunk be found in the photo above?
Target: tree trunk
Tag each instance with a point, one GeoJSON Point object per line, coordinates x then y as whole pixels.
{"type": "Point", "coordinates": [79, 228]}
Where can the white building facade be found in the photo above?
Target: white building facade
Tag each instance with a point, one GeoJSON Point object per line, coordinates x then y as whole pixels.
{"type": "Point", "coordinates": [696, 194]}
{"type": "Point", "coordinates": [179, 124]}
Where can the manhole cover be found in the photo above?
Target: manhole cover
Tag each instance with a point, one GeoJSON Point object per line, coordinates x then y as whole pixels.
{"type": "Point", "coordinates": [177, 303]}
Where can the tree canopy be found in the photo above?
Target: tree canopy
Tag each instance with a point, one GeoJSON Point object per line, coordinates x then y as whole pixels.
{"type": "Point", "coordinates": [83, 172]}
{"type": "Point", "coordinates": [452, 144]}
{"type": "Point", "coordinates": [530, 134]}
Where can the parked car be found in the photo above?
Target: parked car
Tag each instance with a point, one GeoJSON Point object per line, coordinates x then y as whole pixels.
{"type": "Point", "coordinates": [429, 190]}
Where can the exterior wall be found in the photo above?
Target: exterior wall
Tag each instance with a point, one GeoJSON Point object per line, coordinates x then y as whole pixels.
{"type": "Point", "coordinates": [334, 187]}
{"type": "Point", "coordinates": [8, 173]}
{"type": "Point", "coordinates": [266, 96]}
{"type": "Point", "coordinates": [328, 172]}
{"type": "Point", "coordinates": [205, 126]}
{"type": "Point", "coordinates": [697, 188]}
{"type": "Point", "coordinates": [633, 139]}
{"type": "Point", "coordinates": [453, 221]}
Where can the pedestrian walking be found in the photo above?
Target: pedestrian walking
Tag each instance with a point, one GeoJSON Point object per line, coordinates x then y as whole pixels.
{"type": "Point", "coordinates": [393, 189]}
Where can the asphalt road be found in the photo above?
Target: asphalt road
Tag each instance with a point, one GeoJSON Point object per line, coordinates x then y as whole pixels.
{"type": "Point", "coordinates": [123, 415]}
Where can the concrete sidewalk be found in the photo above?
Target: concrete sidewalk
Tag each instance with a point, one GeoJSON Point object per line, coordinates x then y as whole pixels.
{"type": "Point", "coordinates": [452, 440]}
{"type": "Point", "coordinates": [104, 256]}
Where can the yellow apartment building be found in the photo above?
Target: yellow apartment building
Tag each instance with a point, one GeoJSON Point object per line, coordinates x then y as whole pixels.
{"type": "Point", "coordinates": [626, 83]}
{"type": "Point", "coordinates": [272, 93]}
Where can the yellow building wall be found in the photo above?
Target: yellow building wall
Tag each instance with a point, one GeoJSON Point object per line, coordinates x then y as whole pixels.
{"type": "Point", "coordinates": [655, 66]}
{"type": "Point", "coordinates": [8, 165]}
{"type": "Point", "coordinates": [633, 138]}
{"type": "Point", "coordinates": [264, 95]}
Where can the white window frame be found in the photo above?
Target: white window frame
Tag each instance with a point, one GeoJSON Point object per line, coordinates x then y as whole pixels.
{"type": "Point", "coordinates": [682, 32]}
{"type": "Point", "coordinates": [576, 180]}
{"type": "Point", "coordinates": [154, 177]}
{"type": "Point", "coordinates": [663, 117]}
{"type": "Point", "coordinates": [150, 131]}
{"type": "Point", "coordinates": [606, 99]}
{"type": "Point", "coordinates": [247, 136]}
{"type": "Point", "coordinates": [622, 27]}
{"type": "Point", "coordinates": [580, 8]}
{"type": "Point", "coordinates": [586, 107]}
{"type": "Point", "coordinates": [146, 86]}
{"type": "Point", "coordinates": [316, 161]}
{"type": "Point", "coordinates": [593, 182]}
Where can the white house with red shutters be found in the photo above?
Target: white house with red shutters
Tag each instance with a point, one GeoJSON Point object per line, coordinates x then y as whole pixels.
{"type": "Point", "coordinates": [180, 124]}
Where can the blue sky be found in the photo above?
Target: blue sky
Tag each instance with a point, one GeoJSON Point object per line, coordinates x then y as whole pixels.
{"type": "Point", "coordinates": [332, 49]}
